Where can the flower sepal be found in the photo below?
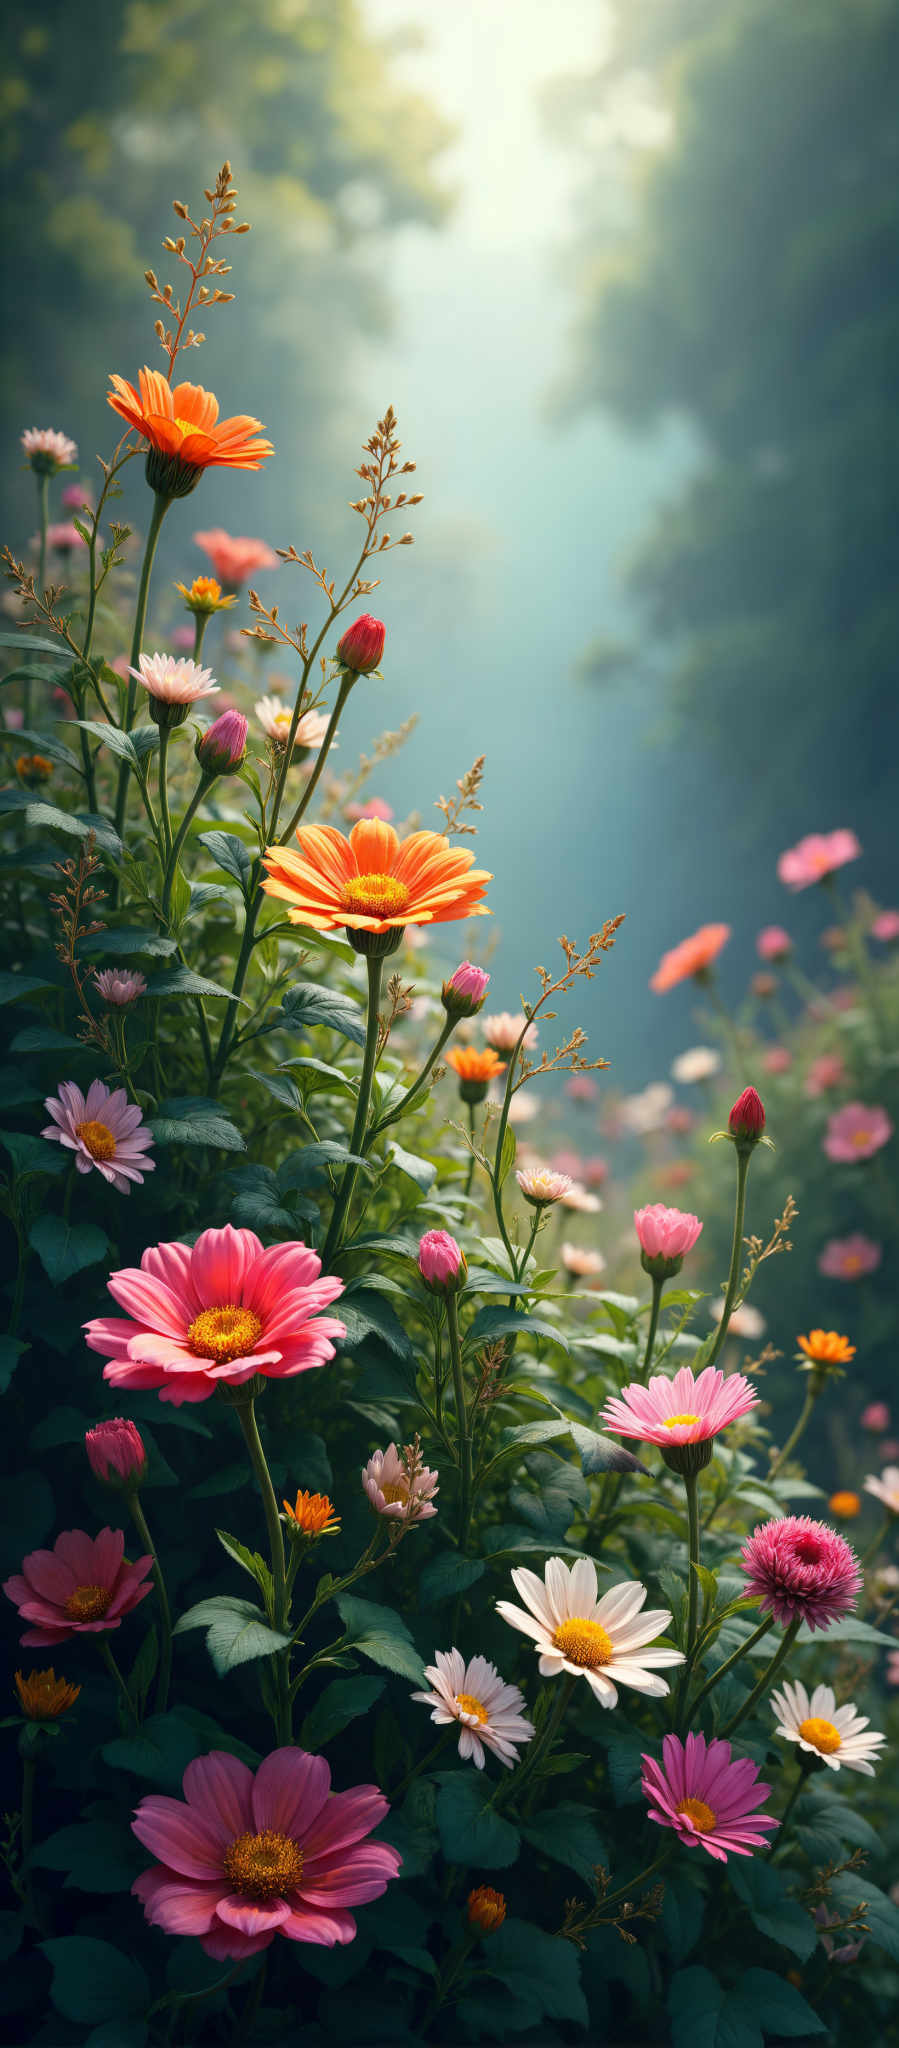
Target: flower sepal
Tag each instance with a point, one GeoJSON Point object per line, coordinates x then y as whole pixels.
{"type": "Point", "coordinates": [688, 1459]}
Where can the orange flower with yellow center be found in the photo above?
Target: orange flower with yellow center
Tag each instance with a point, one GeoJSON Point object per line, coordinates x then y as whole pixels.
{"type": "Point", "coordinates": [373, 881]}
{"type": "Point", "coordinates": [471, 1064]}
{"type": "Point", "coordinates": [204, 594]}
{"type": "Point", "coordinates": [312, 1514]}
{"type": "Point", "coordinates": [181, 423]}
{"type": "Point", "coordinates": [825, 1347]}
{"type": "Point", "coordinates": [43, 1696]}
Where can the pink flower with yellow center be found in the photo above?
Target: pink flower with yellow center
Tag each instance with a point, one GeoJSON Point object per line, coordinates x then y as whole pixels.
{"type": "Point", "coordinates": [708, 1796]}
{"type": "Point", "coordinates": [276, 718]}
{"type": "Point", "coordinates": [173, 681]}
{"type": "Point", "coordinates": [219, 1311]}
{"type": "Point", "coordinates": [488, 1711]}
{"type": "Point", "coordinates": [103, 1129]}
{"type": "Point", "coordinates": [850, 1258]}
{"type": "Point", "coordinates": [540, 1185]}
{"type": "Point", "coordinates": [682, 1410]}
{"type": "Point", "coordinates": [246, 1856]}
{"type": "Point", "coordinates": [816, 857]}
{"type": "Point", "coordinates": [83, 1586]}
{"type": "Point", "coordinates": [399, 1486]}
{"type": "Point", "coordinates": [857, 1131]}
{"type": "Point", "coordinates": [801, 1570]}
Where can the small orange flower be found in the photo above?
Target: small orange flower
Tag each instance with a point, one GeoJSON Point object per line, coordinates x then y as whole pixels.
{"type": "Point", "coordinates": [43, 1696]}
{"type": "Point", "coordinates": [693, 956]}
{"type": "Point", "coordinates": [185, 434]}
{"type": "Point", "coordinates": [34, 769]}
{"type": "Point", "coordinates": [485, 1908]}
{"type": "Point", "coordinates": [845, 1505]}
{"type": "Point", "coordinates": [471, 1064]}
{"type": "Point", "coordinates": [374, 881]}
{"type": "Point", "coordinates": [312, 1514]}
{"type": "Point", "coordinates": [825, 1347]}
{"type": "Point", "coordinates": [204, 594]}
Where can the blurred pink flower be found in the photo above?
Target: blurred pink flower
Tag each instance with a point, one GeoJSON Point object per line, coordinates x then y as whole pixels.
{"type": "Point", "coordinates": [848, 1258]}
{"type": "Point", "coordinates": [891, 1672]}
{"type": "Point", "coordinates": [816, 857]}
{"type": "Point", "coordinates": [679, 1119]}
{"type": "Point", "coordinates": [566, 1161]}
{"type": "Point", "coordinates": [579, 1200]}
{"type": "Point", "coordinates": [48, 450]}
{"type": "Point", "coordinates": [76, 497]}
{"type": "Point", "coordinates": [708, 1796]}
{"type": "Point", "coordinates": [374, 808]}
{"type": "Point", "coordinates": [15, 719]}
{"type": "Point", "coordinates": [886, 926]}
{"type": "Point", "coordinates": [857, 1131]}
{"type": "Point", "coordinates": [502, 1030]}
{"type": "Point", "coordinates": [183, 638]}
{"type": "Point", "coordinates": [580, 1263]}
{"type": "Point", "coordinates": [595, 1172]}
{"type": "Point", "coordinates": [777, 1060]}
{"type": "Point", "coordinates": [581, 1088]}
{"type": "Point", "coordinates": [64, 537]}
{"type": "Point", "coordinates": [827, 1071]}
{"type": "Point", "coordinates": [773, 943]}
{"type": "Point", "coordinates": [234, 557]}
{"type": "Point", "coordinates": [876, 1416]}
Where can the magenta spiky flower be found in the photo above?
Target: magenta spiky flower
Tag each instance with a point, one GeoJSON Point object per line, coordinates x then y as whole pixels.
{"type": "Point", "coordinates": [801, 1570]}
{"type": "Point", "coordinates": [708, 1796]}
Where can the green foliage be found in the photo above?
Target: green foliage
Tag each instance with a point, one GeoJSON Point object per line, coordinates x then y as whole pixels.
{"type": "Point", "coordinates": [236, 1631]}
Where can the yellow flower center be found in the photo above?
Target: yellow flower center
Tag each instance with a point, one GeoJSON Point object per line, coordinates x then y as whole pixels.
{"type": "Point", "coordinates": [675, 1421]}
{"type": "Point", "coordinates": [224, 1333]}
{"type": "Point", "coordinates": [702, 1816]}
{"type": "Point", "coordinates": [584, 1642]}
{"type": "Point", "coordinates": [860, 1137]}
{"type": "Point", "coordinates": [97, 1139]}
{"type": "Point", "coordinates": [264, 1866]}
{"type": "Point", "coordinates": [374, 896]}
{"type": "Point", "coordinates": [467, 1704]}
{"type": "Point", "coordinates": [852, 1263]}
{"type": "Point", "coordinates": [186, 426]}
{"type": "Point", "coordinates": [822, 1735]}
{"type": "Point", "coordinates": [396, 1489]}
{"type": "Point", "coordinates": [88, 1603]}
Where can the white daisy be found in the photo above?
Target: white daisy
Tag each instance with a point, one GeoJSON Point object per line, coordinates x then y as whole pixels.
{"type": "Point", "coordinates": [835, 1734]}
{"type": "Point", "coordinates": [275, 719]}
{"type": "Point", "coordinates": [600, 1640]}
{"type": "Point", "coordinates": [487, 1708]}
{"type": "Point", "coordinates": [174, 681]}
{"type": "Point", "coordinates": [886, 1488]}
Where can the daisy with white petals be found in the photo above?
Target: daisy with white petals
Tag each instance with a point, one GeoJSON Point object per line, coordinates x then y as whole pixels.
{"type": "Point", "coordinates": [173, 681]}
{"type": "Point", "coordinates": [837, 1735]}
{"type": "Point", "coordinates": [605, 1641]}
{"type": "Point", "coordinates": [488, 1710]}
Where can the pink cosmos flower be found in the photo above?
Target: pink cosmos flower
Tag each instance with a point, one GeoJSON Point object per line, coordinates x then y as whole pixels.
{"type": "Point", "coordinates": [234, 557]}
{"type": "Point", "coordinates": [708, 1796]}
{"type": "Point", "coordinates": [682, 1410]}
{"type": "Point", "coordinates": [777, 1060]}
{"type": "Point", "coordinates": [876, 1416]}
{"type": "Point", "coordinates": [441, 1262]}
{"type": "Point", "coordinates": [666, 1233]}
{"type": "Point", "coordinates": [540, 1186]}
{"type": "Point", "coordinates": [503, 1029]}
{"type": "Point", "coordinates": [119, 985]}
{"type": "Point", "coordinates": [773, 943]}
{"type": "Point", "coordinates": [82, 1586]}
{"type": "Point", "coordinates": [115, 1448]}
{"type": "Point", "coordinates": [816, 857]}
{"type": "Point", "coordinates": [48, 450]}
{"type": "Point", "coordinates": [103, 1129]}
{"type": "Point", "coordinates": [223, 1309]}
{"type": "Point", "coordinates": [247, 1856]}
{"type": "Point", "coordinates": [399, 1486]}
{"type": "Point", "coordinates": [827, 1071]}
{"type": "Point", "coordinates": [174, 682]}
{"type": "Point", "coordinates": [886, 926]}
{"type": "Point", "coordinates": [488, 1711]}
{"type": "Point", "coordinates": [375, 808]}
{"type": "Point", "coordinates": [857, 1131]}
{"type": "Point", "coordinates": [849, 1258]}
{"type": "Point", "coordinates": [801, 1570]}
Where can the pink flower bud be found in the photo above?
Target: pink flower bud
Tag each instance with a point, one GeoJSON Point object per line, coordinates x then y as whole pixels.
{"type": "Point", "coordinates": [463, 994]}
{"type": "Point", "coordinates": [747, 1118]}
{"type": "Point", "coordinates": [116, 1453]}
{"type": "Point", "coordinates": [876, 1416]}
{"type": "Point", "coordinates": [223, 746]}
{"type": "Point", "coordinates": [773, 943]}
{"type": "Point", "coordinates": [666, 1235]}
{"type": "Point", "coordinates": [362, 645]}
{"type": "Point", "coordinates": [442, 1263]}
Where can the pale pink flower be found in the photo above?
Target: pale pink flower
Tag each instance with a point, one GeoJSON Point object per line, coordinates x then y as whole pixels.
{"type": "Point", "coordinates": [885, 1488]}
{"type": "Point", "coordinates": [580, 1201]}
{"type": "Point", "coordinates": [441, 1262]}
{"type": "Point", "coordinates": [709, 1796]}
{"type": "Point", "coordinates": [15, 719]}
{"type": "Point", "coordinates": [801, 1570]}
{"type": "Point", "coordinates": [876, 1416]}
{"type": "Point", "coordinates": [698, 1063]}
{"type": "Point", "coordinates": [857, 1131]}
{"type": "Point", "coordinates": [183, 638]}
{"type": "Point", "coordinates": [682, 1410]}
{"type": "Point", "coordinates": [174, 682]}
{"type": "Point", "coordinates": [595, 1172]}
{"type": "Point", "coordinates": [488, 1710]}
{"type": "Point", "coordinates": [745, 1320]}
{"type": "Point", "coordinates": [581, 1264]}
{"type": "Point", "coordinates": [48, 450]}
{"type": "Point", "coordinates": [374, 808]}
{"type": "Point", "coordinates": [773, 943]}
{"type": "Point", "coordinates": [116, 1447]}
{"type": "Point", "coordinates": [399, 1486]}
{"type": "Point", "coordinates": [234, 557]}
{"type": "Point", "coordinates": [103, 1129]}
{"type": "Point", "coordinates": [119, 985]}
{"type": "Point", "coordinates": [827, 1071]}
{"type": "Point", "coordinates": [581, 1088]}
{"type": "Point", "coordinates": [567, 1162]}
{"type": "Point", "coordinates": [251, 1855]}
{"type": "Point", "coordinates": [463, 993]}
{"type": "Point", "coordinates": [666, 1233]}
{"type": "Point", "coordinates": [540, 1186]}
{"type": "Point", "coordinates": [891, 1672]}
{"type": "Point", "coordinates": [609, 1642]}
{"type": "Point", "coordinates": [83, 1586]}
{"type": "Point", "coordinates": [679, 1119]}
{"type": "Point", "coordinates": [221, 1310]}
{"type": "Point", "coordinates": [275, 719]}
{"type": "Point", "coordinates": [76, 497]}
{"type": "Point", "coordinates": [886, 926]}
{"type": "Point", "coordinates": [63, 536]}
{"type": "Point", "coordinates": [503, 1029]}
{"type": "Point", "coordinates": [523, 1108]}
{"type": "Point", "coordinates": [849, 1258]}
{"type": "Point", "coordinates": [816, 857]}
{"type": "Point", "coordinates": [647, 1111]}
{"type": "Point", "coordinates": [777, 1060]}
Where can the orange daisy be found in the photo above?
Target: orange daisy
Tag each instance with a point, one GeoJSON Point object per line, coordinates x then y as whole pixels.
{"type": "Point", "coordinates": [473, 1065]}
{"type": "Point", "coordinates": [692, 957]}
{"type": "Point", "coordinates": [43, 1696]}
{"type": "Point", "coordinates": [312, 1514]}
{"type": "Point", "coordinates": [374, 881]}
{"type": "Point", "coordinates": [825, 1347]}
{"type": "Point", "coordinates": [845, 1505]}
{"type": "Point", "coordinates": [185, 434]}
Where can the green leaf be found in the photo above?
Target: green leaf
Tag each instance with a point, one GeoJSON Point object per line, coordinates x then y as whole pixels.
{"type": "Point", "coordinates": [381, 1634]}
{"type": "Point", "coordinates": [446, 1576]}
{"type": "Point", "coordinates": [167, 1743]}
{"type": "Point", "coordinates": [537, 1966]}
{"type": "Point", "coordinates": [340, 1703]}
{"type": "Point", "coordinates": [182, 981]}
{"type": "Point", "coordinates": [50, 818]}
{"type": "Point", "coordinates": [602, 1453]}
{"type": "Point", "coordinates": [851, 1630]}
{"type": "Point", "coordinates": [236, 1631]}
{"type": "Point", "coordinates": [194, 1120]}
{"type": "Point", "coordinates": [94, 1981]}
{"type": "Point", "coordinates": [310, 1161]}
{"type": "Point", "coordinates": [320, 1067]}
{"type": "Point", "coordinates": [525, 1433]}
{"type": "Point", "coordinates": [779, 2008]}
{"type": "Point", "coordinates": [471, 1831]}
{"type": "Point", "coordinates": [230, 854]}
{"type": "Point", "coordinates": [250, 1561]}
{"type": "Point", "coordinates": [32, 1155]}
{"type": "Point", "coordinates": [683, 1910]}
{"type": "Point", "coordinates": [507, 1155]}
{"type": "Point", "coordinates": [492, 1323]}
{"type": "Point", "coordinates": [44, 1038]}
{"type": "Point", "coordinates": [366, 1314]}
{"type": "Point", "coordinates": [66, 1248]}
{"type": "Point", "coordinates": [118, 2033]}
{"type": "Point", "coordinates": [11, 1349]}
{"type": "Point", "coordinates": [12, 986]}
{"type": "Point", "coordinates": [306, 1006]}
{"type": "Point", "coordinates": [8, 639]}
{"type": "Point", "coordinates": [143, 1670]}
{"type": "Point", "coordinates": [421, 1171]}
{"type": "Point", "coordinates": [773, 1912]}
{"type": "Point", "coordinates": [568, 1834]}
{"type": "Point", "coordinates": [43, 743]}
{"type": "Point", "coordinates": [704, 2015]}
{"type": "Point", "coordinates": [882, 1916]}
{"type": "Point", "coordinates": [97, 1855]}
{"type": "Point", "coordinates": [280, 1086]}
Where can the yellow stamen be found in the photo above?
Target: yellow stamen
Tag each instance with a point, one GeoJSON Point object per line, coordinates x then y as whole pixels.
{"type": "Point", "coordinates": [224, 1333]}
{"type": "Point", "coordinates": [584, 1642]}
{"type": "Point", "coordinates": [822, 1735]}
{"type": "Point", "coordinates": [675, 1421]}
{"type": "Point", "coordinates": [264, 1866]}
{"type": "Point", "coordinates": [97, 1139]}
{"type": "Point", "coordinates": [374, 896]}
{"type": "Point", "coordinates": [88, 1603]}
{"type": "Point", "coordinates": [395, 1490]}
{"type": "Point", "coordinates": [469, 1705]}
{"type": "Point", "coordinates": [702, 1816]}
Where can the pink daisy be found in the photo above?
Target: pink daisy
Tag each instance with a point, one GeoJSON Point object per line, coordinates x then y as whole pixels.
{"type": "Point", "coordinates": [849, 1258]}
{"type": "Point", "coordinates": [399, 1486]}
{"type": "Point", "coordinates": [221, 1310]}
{"type": "Point", "coordinates": [48, 450]}
{"type": "Point", "coordinates": [174, 682]}
{"type": "Point", "coordinates": [103, 1129]}
{"type": "Point", "coordinates": [827, 1071]}
{"type": "Point", "coordinates": [857, 1131]}
{"type": "Point", "coordinates": [708, 1796]}
{"type": "Point", "coordinates": [82, 1586]}
{"type": "Point", "coordinates": [488, 1711]}
{"type": "Point", "coordinates": [666, 1233]}
{"type": "Point", "coordinates": [682, 1410]}
{"type": "Point", "coordinates": [801, 1571]}
{"type": "Point", "coordinates": [816, 857]}
{"type": "Point", "coordinates": [119, 985]}
{"type": "Point", "coordinates": [251, 1856]}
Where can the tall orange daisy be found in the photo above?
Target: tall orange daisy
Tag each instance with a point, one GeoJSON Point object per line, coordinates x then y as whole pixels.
{"type": "Point", "coordinates": [693, 957]}
{"type": "Point", "coordinates": [181, 423]}
{"type": "Point", "coordinates": [374, 883]}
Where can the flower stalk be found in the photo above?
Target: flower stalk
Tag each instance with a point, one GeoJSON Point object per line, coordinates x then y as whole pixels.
{"type": "Point", "coordinates": [334, 1238]}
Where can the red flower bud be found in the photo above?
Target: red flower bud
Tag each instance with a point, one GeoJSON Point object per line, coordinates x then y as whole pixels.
{"type": "Point", "coordinates": [747, 1118]}
{"type": "Point", "coordinates": [223, 746]}
{"type": "Point", "coordinates": [116, 1452]}
{"type": "Point", "coordinates": [362, 645]}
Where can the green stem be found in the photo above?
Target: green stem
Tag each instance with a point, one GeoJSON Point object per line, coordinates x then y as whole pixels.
{"type": "Point", "coordinates": [164, 815]}
{"type": "Point", "coordinates": [736, 1255]}
{"type": "Point", "coordinates": [811, 1396]}
{"type": "Point", "coordinates": [777, 1840]}
{"type": "Point", "coordinates": [43, 513]}
{"type": "Point", "coordinates": [164, 1676]}
{"type": "Point", "coordinates": [160, 508]}
{"type": "Point", "coordinates": [762, 1684]}
{"type": "Point", "coordinates": [445, 1736]}
{"type": "Point", "coordinates": [657, 1286]}
{"type": "Point", "coordinates": [26, 1830]}
{"type": "Point", "coordinates": [464, 1439]}
{"type": "Point", "coordinates": [540, 1747]}
{"type": "Point", "coordinates": [472, 1162]}
{"type": "Point", "coordinates": [691, 1488]}
{"type": "Point", "coordinates": [394, 1115]}
{"type": "Point", "coordinates": [334, 1239]}
{"type": "Point", "coordinates": [454, 1963]}
{"type": "Point", "coordinates": [201, 621]}
{"type": "Point", "coordinates": [877, 1541]}
{"type": "Point", "coordinates": [729, 1662]}
{"type": "Point", "coordinates": [178, 842]}
{"type": "Point", "coordinates": [246, 1415]}
{"type": "Point", "coordinates": [523, 1261]}
{"type": "Point", "coordinates": [624, 1890]}
{"type": "Point", "coordinates": [118, 1681]}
